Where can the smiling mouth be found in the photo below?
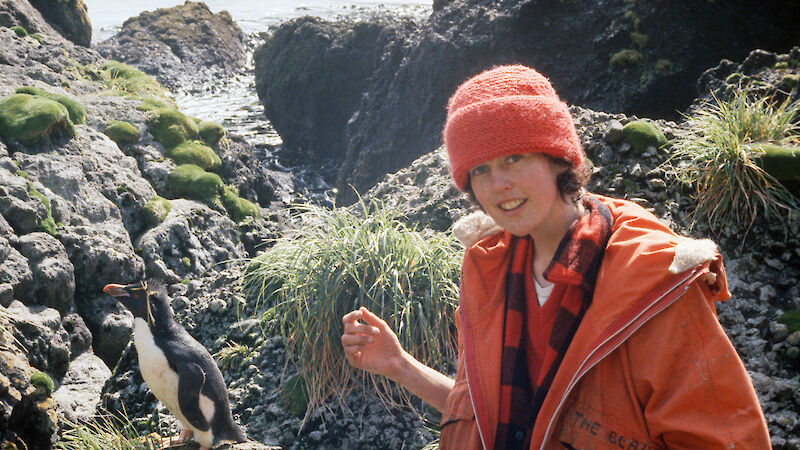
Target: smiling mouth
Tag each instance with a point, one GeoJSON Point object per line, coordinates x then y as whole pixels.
{"type": "Point", "coordinates": [510, 205]}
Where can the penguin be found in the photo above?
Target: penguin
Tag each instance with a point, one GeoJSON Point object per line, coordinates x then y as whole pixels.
{"type": "Point", "coordinates": [179, 371]}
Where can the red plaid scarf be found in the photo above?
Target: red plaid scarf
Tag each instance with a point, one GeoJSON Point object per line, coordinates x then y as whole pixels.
{"type": "Point", "coordinates": [574, 271]}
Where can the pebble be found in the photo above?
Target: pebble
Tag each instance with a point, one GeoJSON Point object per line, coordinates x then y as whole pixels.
{"type": "Point", "coordinates": [217, 305]}
{"type": "Point", "coordinates": [779, 331]}
{"type": "Point", "coordinates": [613, 134]}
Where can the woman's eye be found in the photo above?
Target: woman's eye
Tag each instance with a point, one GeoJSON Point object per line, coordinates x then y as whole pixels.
{"type": "Point", "coordinates": [477, 170]}
{"type": "Point", "coordinates": [513, 158]}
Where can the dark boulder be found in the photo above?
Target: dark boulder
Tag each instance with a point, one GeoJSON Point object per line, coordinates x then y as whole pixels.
{"type": "Point", "coordinates": [613, 55]}
{"type": "Point", "coordinates": [311, 73]}
{"type": "Point", "coordinates": [179, 43]}
{"type": "Point", "coordinates": [69, 17]}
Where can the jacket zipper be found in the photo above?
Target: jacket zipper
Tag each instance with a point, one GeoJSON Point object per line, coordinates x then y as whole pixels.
{"type": "Point", "coordinates": [583, 370]}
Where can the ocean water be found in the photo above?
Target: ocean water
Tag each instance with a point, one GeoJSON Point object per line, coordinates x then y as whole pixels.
{"type": "Point", "coordinates": [252, 15]}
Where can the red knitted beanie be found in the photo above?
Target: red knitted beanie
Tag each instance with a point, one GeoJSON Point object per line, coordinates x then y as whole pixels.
{"type": "Point", "coordinates": [505, 111]}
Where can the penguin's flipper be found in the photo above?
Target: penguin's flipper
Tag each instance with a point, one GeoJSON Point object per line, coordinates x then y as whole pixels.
{"type": "Point", "coordinates": [191, 379]}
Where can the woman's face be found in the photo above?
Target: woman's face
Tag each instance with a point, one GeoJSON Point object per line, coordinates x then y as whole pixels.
{"type": "Point", "coordinates": [518, 191]}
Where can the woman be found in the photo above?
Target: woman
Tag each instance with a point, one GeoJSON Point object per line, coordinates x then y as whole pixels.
{"type": "Point", "coordinates": [583, 322]}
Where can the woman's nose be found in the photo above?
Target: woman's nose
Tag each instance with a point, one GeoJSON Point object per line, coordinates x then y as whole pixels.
{"type": "Point", "coordinates": [500, 180]}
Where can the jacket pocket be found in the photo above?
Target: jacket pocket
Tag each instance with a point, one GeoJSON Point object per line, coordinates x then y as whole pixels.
{"type": "Point", "coordinates": [458, 406]}
{"type": "Point", "coordinates": [459, 431]}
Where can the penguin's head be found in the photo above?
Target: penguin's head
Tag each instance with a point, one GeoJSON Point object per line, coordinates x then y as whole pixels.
{"type": "Point", "coordinates": [146, 299]}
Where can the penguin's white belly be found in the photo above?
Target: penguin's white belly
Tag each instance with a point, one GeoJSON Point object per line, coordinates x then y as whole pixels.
{"type": "Point", "coordinates": [163, 381]}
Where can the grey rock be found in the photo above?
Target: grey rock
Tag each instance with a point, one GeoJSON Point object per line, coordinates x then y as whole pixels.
{"type": "Point", "coordinates": [79, 393]}
{"type": "Point", "coordinates": [15, 272]}
{"type": "Point", "coordinates": [22, 211]}
{"type": "Point", "coordinates": [613, 134]}
{"type": "Point", "coordinates": [39, 331]}
{"type": "Point", "coordinates": [193, 238]}
{"type": "Point", "coordinates": [53, 273]}
{"type": "Point", "coordinates": [84, 179]}
{"type": "Point", "coordinates": [80, 337]}
{"type": "Point", "coordinates": [69, 17]}
{"type": "Point", "coordinates": [111, 326]}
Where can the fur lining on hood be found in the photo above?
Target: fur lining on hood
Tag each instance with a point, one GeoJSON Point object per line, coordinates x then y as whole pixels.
{"type": "Point", "coordinates": [688, 253]}
{"type": "Point", "coordinates": [474, 227]}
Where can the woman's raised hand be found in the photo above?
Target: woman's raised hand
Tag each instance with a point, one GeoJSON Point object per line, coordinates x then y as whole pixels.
{"type": "Point", "coordinates": [370, 344]}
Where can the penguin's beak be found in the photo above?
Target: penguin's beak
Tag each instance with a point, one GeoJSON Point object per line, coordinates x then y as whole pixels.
{"type": "Point", "coordinates": [116, 290]}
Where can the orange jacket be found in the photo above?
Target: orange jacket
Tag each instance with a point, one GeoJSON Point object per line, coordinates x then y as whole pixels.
{"type": "Point", "coordinates": [649, 367]}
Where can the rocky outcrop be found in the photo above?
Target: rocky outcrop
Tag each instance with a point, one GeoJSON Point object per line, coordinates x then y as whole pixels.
{"type": "Point", "coordinates": [178, 43]}
{"type": "Point", "coordinates": [69, 17]}
{"type": "Point", "coordinates": [618, 56]}
{"type": "Point", "coordinates": [311, 73]}
{"type": "Point", "coordinates": [762, 73]}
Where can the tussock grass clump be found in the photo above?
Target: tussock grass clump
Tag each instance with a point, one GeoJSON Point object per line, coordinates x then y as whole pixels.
{"type": "Point", "coordinates": [719, 151]}
{"type": "Point", "coordinates": [336, 262]}
{"type": "Point", "coordinates": [233, 356]}
{"type": "Point", "coordinates": [127, 81]}
{"type": "Point", "coordinates": [105, 432]}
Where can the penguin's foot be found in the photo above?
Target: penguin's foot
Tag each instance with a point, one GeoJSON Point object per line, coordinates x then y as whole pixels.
{"type": "Point", "coordinates": [172, 441]}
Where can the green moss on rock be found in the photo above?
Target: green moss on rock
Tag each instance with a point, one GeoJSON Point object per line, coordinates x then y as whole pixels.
{"type": "Point", "coordinates": [193, 182]}
{"type": "Point", "coordinates": [156, 210]}
{"type": "Point", "coordinates": [211, 132]}
{"type": "Point", "coordinates": [152, 103]}
{"type": "Point", "coordinates": [783, 163]}
{"type": "Point", "coordinates": [641, 134]}
{"type": "Point", "coordinates": [789, 82]}
{"type": "Point", "coordinates": [121, 132]}
{"type": "Point", "coordinates": [195, 153]}
{"type": "Point", "coordinates": [21, 32]}
{"type": "Point", "coordinates": [28, 118]}
{"type": "Point", "coordinates": [626, 59]}
{"type": "Point", "coordinates": [43, 383]}
{"type": "Point", "coordinates": [238, 208]}
{"type": "Point", "coordinates": [663, 65]}
{"type": "Point", "coordinates": [48, 225]}
{"type": "Point", "coordinates": [76, 112]}
{"type": "Point", "coordinates": [791, 319]}
{"type": "Point", "coordinates": [733, 78]}
{"type": "Point", "coordinates": [640, 39]}
{"type": "Point", "coordinates": [171, 127]}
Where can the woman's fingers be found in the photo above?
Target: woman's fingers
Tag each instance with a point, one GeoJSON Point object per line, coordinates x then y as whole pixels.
{"type": "Point", "coordinates": [356, 340]}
